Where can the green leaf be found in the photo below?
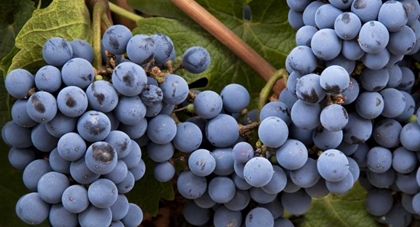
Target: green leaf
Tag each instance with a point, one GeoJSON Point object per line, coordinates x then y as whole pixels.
{"type": "Point", "coordinates": [148, 191]}
{"type": "Point", "coordinates": [340, 210]}
{"type": "Point", "coordinates": [14, 15]}
{"type": "Point", "coordinates": [67, 19]}
{"type": "Point", "coordinates": [7, 61]}
{"type": "Point", "coordinates": [268, 33]}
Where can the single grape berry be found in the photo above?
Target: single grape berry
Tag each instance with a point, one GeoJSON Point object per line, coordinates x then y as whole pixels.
{"type": "Point", "coordinates": [196, 59]}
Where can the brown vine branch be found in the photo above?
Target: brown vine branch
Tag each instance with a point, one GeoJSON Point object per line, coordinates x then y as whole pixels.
{"type": "Point", "coordinates": [229, 39]}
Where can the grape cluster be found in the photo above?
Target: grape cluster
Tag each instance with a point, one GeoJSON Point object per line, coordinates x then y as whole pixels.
{"type": "Point", "coordinates": [352, 97]}
{"type": "Point", "coordinates": [77, 133]}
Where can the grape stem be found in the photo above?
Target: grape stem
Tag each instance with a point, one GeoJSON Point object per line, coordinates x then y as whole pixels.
{"type": "Point", "coordinates": [125, 13]}
{"type": "Point", "coordinates": [266, 91]}
{"type": "Point", "coordinates": [229, 39]}
{"type": "Point", "coordinates": [99, 9]}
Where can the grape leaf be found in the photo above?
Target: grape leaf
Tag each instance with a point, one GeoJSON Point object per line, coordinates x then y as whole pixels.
{"type": "Point", "coordinates": [14, 15]}
{"type": "Point", "coordinates": [267, 32]}
{"type": "Point", "coordinates": [340, 210]}
{"type": "Point", "coordinates": [147, 191]}
{"type": "Point", "coordinates": [66, 19]}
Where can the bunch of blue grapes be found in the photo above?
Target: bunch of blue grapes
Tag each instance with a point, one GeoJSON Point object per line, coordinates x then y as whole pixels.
{"type": "Point", "coordinates": [76, 132]}
{"type": "Point", "coordinates": [353, 99]}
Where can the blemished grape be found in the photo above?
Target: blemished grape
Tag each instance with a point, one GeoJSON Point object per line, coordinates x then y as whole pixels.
{"type": "Point", "coordinates": [309, 89]}
{"type": "Point", "coordinates": [93, 126]}
{"type": "Point", "coordinates": [196, 59]}
{"type": "Point", "coordinates": [402, 41]}
{"type": "Point", "coordinates": [72, 101]}
{"type": "Point", "coordinates": [48, 78]}
{"type": "Point", "coordinates": [115, 39]}
{"type": "Point", "coordinates": [347, 25]}
{"type": "Point", "coordinates": [101, 157]}
{"type": "Point", "coordinates": [174, 89]}
{"type": "Point", "coordinates": [191, 186]}
{"type": "Point", "coordinates": [201, 162]}
{"type": "Point", "coordinates": [42, 106]}
{"type": "Point", "coordinates": [57, 51]}
{"type": "Point", "coordinates": [208, 104]}
{"type": "Point", "coordinates": [141, 49]}
{"type": "Point", "coordinates": [120, 141]}
{"type": "Point", "coordinates": [373, 36]}
{"type": "Point", "coordinates": [302, 60]}
{"type": "Point", "coordinates": [102, 96]}
{"type": "Point", "coordinates": [151, 96]}
{"type": "Point", "coordinates": [166, 50]}
{"type": "Point", "coordinates": [369, 104]}
{"type": "Point", "coordinates": [129, 79]}
{"type": "Point", "coordinates": [77, 72]}
{"type": "Point", "coordinates": [334, 117]}
{"type": "Point", "coordinates": [334, 79]}
{"type": "Point", "coordinates": [366, 10]}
